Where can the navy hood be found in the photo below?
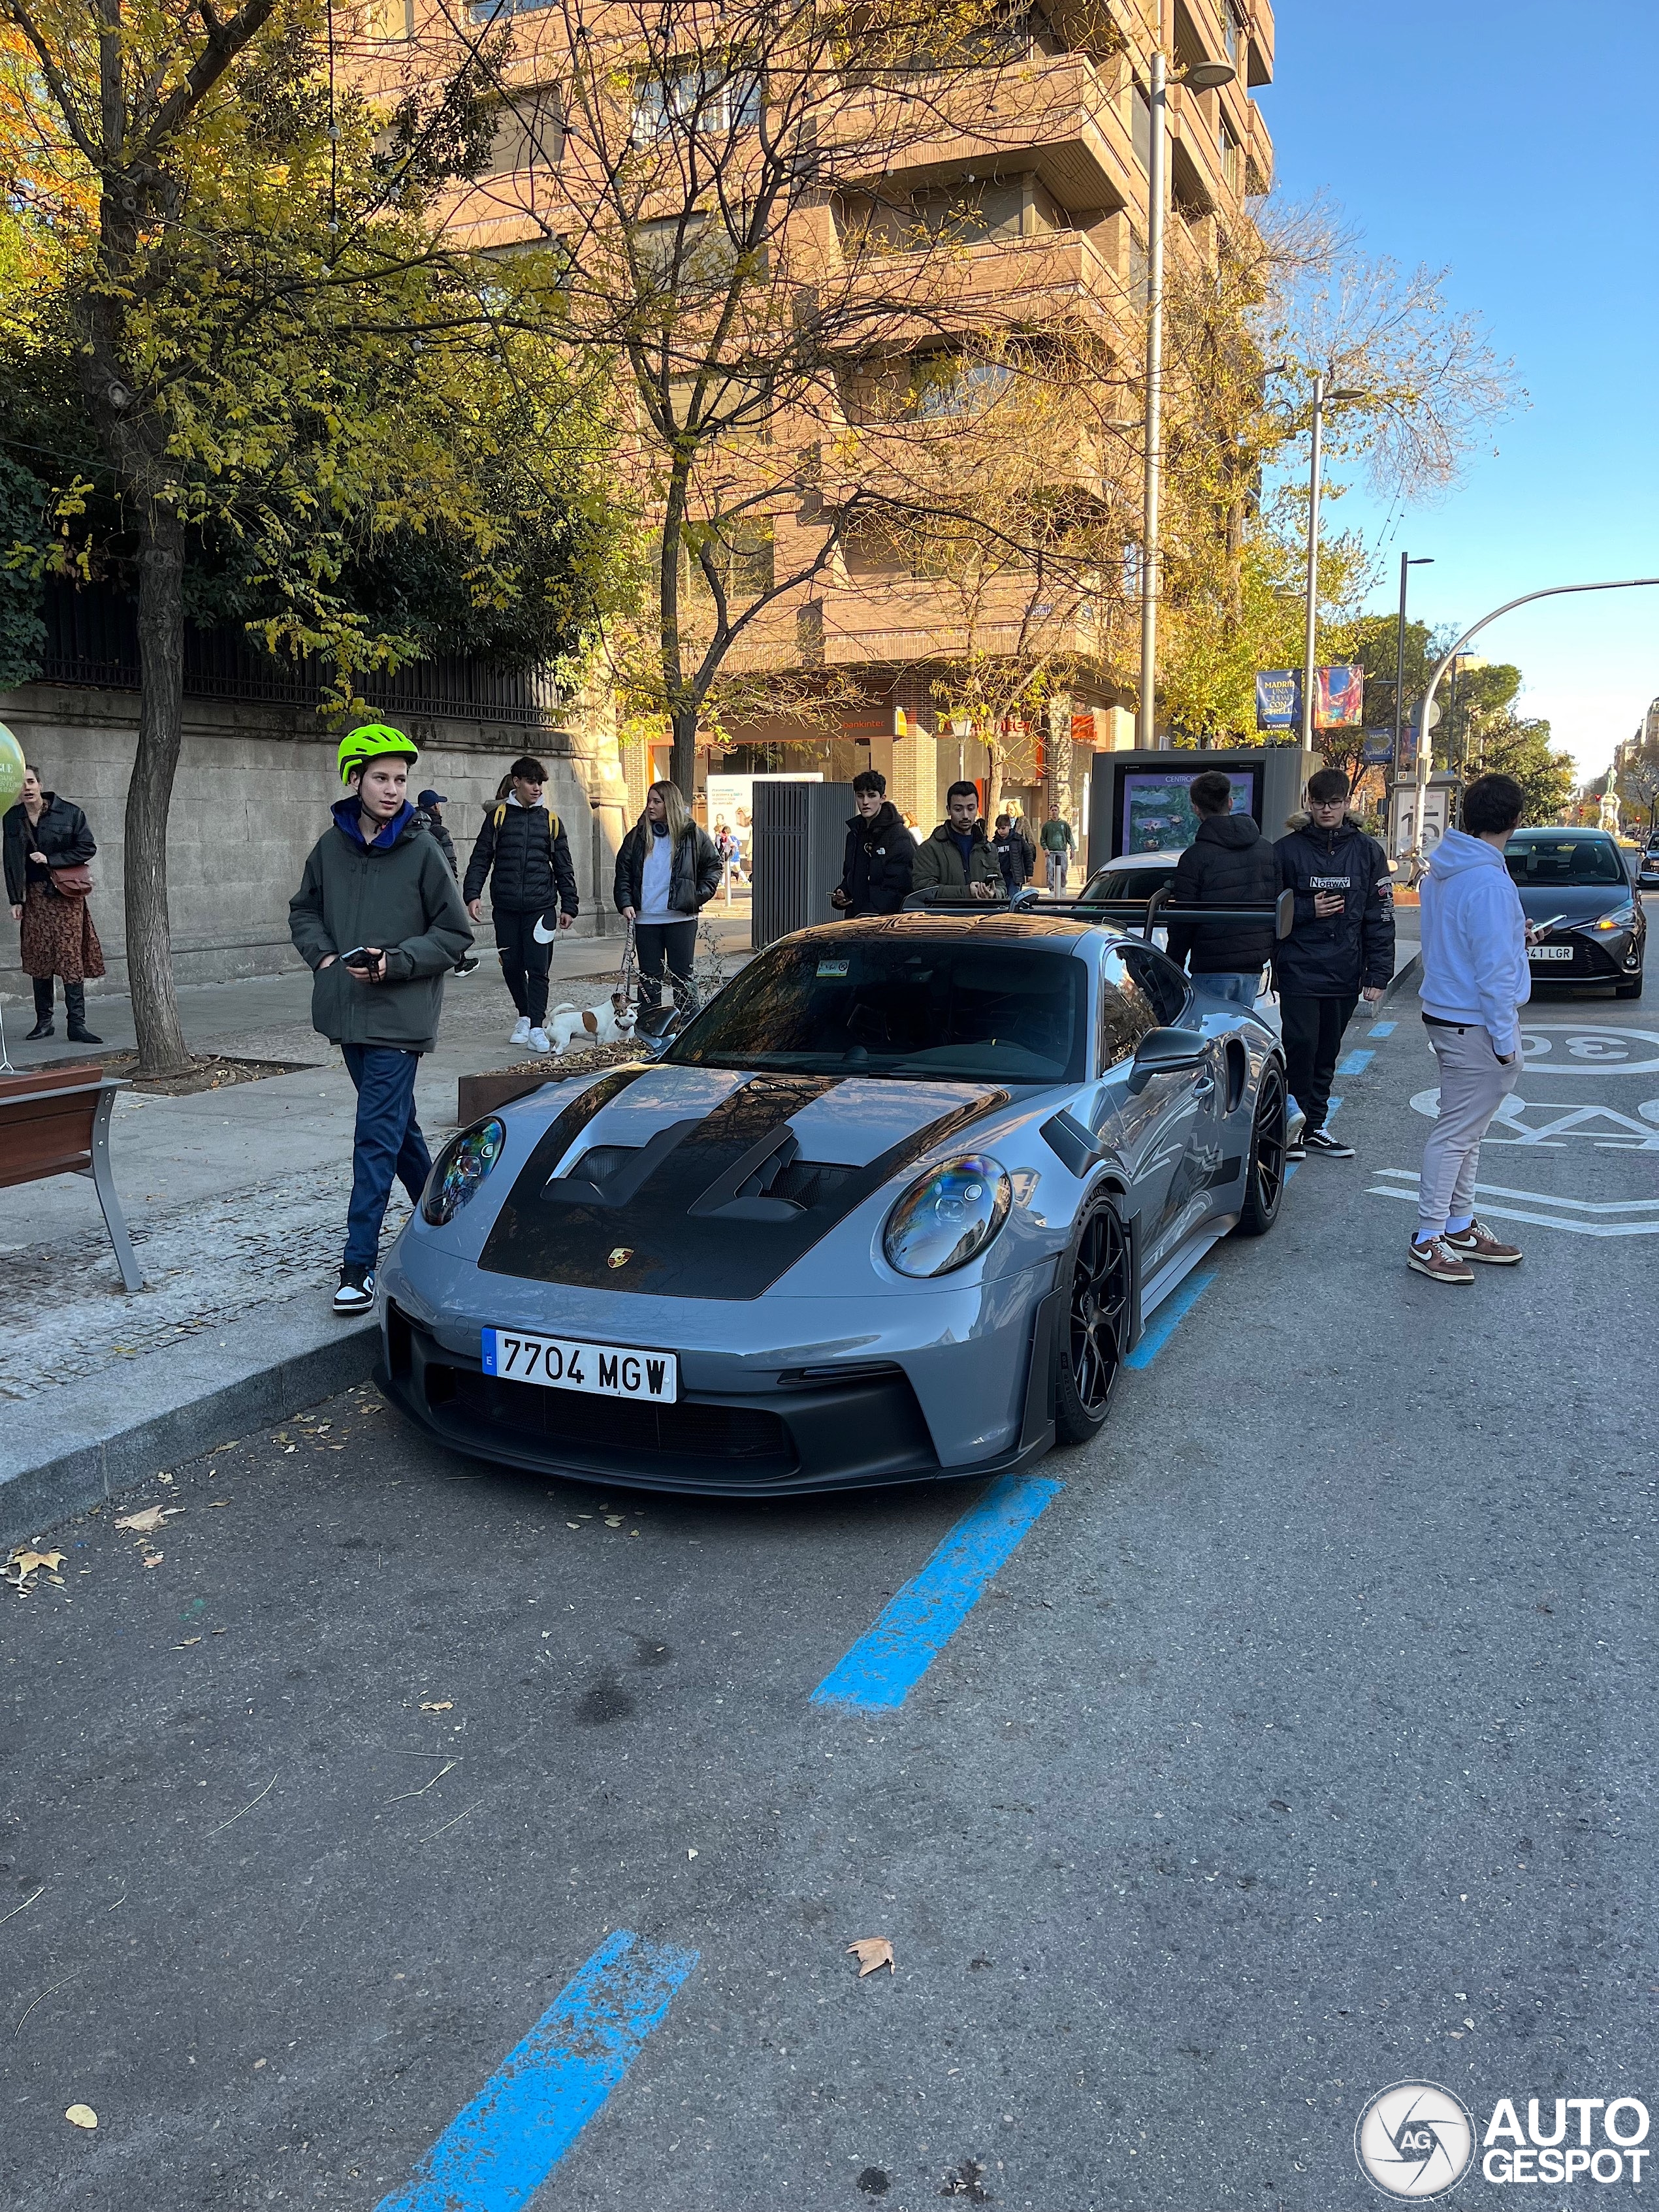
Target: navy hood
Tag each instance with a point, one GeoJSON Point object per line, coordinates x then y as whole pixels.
{"type": "Point", "coordinates": [348, 821]}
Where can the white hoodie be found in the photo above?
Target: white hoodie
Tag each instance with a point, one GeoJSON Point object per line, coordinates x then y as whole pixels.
{"type": "Point", "coordinates": [1475, 940]}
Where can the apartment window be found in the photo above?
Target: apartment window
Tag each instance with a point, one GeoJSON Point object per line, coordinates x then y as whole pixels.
{"type": "Point", "coordinates": [696, 96]}
{"type": "Point", "coordinates": [1233, 17]}
{"type": "Point", "coordinates": [1231, 156]}
{"type": "Point", "coordinates": [1140, 125]}
{"type": "Point", "coordinates": [746, 556]}
{"type": "Point", "coordinates": [685, 253]}
{"type": "Point", "coordinates": [529, 132]}
{"type": "Point", "coordinates": [389, 21]}
{"type": "Point", "coordinates": [944, 386]}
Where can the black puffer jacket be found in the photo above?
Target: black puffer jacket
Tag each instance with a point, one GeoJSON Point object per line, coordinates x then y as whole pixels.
{"type": "Point", "coordinates": [1229, 863]}
{"type": "Point", "coordinates": [881, 854]}
{"type": "Point", "coordinates": [693, 880]}
{"type": "Point", "coordinates": [522, 849]}
{"type": "Point", "coordinates": [1341, 954]}
{"type": "Point", "coordinates": [61, 834]}
{"type": "Point", "coordinates": [434, 826]}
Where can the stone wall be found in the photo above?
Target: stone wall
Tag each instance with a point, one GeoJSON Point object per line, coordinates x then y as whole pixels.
{"type": "Point", "coordinates": [251, 797]}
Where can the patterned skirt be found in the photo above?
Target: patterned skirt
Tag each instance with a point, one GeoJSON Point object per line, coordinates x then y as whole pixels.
{"type": "Point", "coordinates": [57, 937]}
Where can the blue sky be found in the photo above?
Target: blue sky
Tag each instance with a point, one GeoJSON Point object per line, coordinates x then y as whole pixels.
{"type": "Point", "coordinates": [1515, 145]}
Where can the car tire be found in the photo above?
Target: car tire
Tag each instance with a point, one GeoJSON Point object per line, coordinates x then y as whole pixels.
{"type": "Point", "coordinates": [1631, 990]}
{"type": "Point", "coordinates": [1093, 1335]}
{"type": "Point", "coordinates": [1264, 1170]}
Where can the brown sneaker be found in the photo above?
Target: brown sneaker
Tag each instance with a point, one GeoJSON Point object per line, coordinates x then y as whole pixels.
{"type": "Point", "coordinates": [1478, 1243]}
{"type": "Point", "coordinates": [1437, 1261]}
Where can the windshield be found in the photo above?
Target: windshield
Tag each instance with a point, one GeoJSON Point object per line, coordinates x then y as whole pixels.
{"type": "Point", "coordinates": [1126, 884]}
{"type": "Point", "coordinates": [1545, 860]}
{"type": "Point", "coordinates": [894, 1007]}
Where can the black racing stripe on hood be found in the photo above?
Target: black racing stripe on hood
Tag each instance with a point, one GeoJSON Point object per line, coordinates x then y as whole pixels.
{"type": "Point", "coordinates": [700, 1224]}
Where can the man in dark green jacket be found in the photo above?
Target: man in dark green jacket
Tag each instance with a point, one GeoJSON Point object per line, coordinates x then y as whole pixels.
{"type": "Point", "coordinates": [378, 918]}
{"type": "Point", "coordinates": [957, 860]}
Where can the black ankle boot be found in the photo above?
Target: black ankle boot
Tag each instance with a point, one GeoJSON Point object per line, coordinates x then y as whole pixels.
{"type": "Point", "coordinates": [75, 1006]}
{"type": "Point", "coordinates": [42, 1007]}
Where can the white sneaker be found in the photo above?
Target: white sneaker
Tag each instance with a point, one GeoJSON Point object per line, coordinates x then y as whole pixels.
{"type": "Point", "coordinates": [520, 1031]}
{"type": "Point", "coordinates": [539, 1041]}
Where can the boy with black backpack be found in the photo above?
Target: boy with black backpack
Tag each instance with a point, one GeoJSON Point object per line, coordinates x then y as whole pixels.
{"type": "Point", "coordinates": [522, 851]}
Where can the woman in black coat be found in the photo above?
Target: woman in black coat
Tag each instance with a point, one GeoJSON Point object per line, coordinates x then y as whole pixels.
{"type": "Point", "coordinates": [667, 871]}
{"type": "Point", "coordinates": [44, 834]}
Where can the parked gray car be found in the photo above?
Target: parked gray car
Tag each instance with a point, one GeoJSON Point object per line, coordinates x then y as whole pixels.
{"type": "Point", "coordinates": [895, 1205]}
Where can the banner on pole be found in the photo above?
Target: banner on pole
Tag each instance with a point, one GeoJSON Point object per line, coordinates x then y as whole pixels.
{"type": "Point", "coordinates": [1338, 697]}
{"type": "Point", "coordinates": [1279, 699]}
{"type": "Point", "coordinates": [1378, 746]}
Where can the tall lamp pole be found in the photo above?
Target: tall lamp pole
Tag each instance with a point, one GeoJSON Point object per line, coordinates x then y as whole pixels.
{"type": "Point", "coordinates": [1550, 591]}
{"type": "Point", "coordinates": [1323, 397]}
{"type": "Point", "coordinates": [1407, 564]}
{"type": "Point", "coordinates": [1202, 76]}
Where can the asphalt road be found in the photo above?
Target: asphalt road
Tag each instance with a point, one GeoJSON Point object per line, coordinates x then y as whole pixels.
{"type": "Point", "coordinates": [1304, 1744]}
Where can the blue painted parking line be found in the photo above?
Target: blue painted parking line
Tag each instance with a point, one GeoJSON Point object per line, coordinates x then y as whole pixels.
{"type": "Point", "coordinates": [1169, 1318]}
{"type": "Point", "coordinates": [1382, 1028]}
{"type": "Point", "coordinates": [883, 1667]}
{"type": "Point", "coordinates": [499, 2149]}
{"type": "Point", "coordinates": [1356, 1063]}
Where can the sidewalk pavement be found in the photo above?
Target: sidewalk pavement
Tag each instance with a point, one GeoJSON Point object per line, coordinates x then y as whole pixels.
{"type": "Point", "coordinates": [235, 1200]}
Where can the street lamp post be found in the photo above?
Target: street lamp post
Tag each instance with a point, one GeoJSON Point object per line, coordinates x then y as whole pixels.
{"type": "Point", "coordinates": [1550, 591]}
{"type": "Point", "coordinates": [1407, 564]}
{"type": "Point", "coordinates": [1323, 397]}
{"type": "Point", "coordinates": [1202, 76]}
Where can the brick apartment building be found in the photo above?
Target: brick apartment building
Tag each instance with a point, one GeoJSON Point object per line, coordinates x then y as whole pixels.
{"type": "Point", "coordinates": [1045, 162]}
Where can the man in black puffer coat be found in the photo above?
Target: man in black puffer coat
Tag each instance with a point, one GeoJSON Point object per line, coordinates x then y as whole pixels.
{"type": "Point", "coordinates": [1342, 944]}
{"type": "Point", "coordinates": [1229, 863]}
{"type": "Point", "coordinates": [875, 874]}
{"type": "Point", "coordinates": [522, 849]}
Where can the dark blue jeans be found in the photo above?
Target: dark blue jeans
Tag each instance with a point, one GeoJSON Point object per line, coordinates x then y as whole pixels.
{"type": "Point", "coordinates": [388, 1143]}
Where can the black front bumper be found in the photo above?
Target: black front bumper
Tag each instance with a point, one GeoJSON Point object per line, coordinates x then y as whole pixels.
{"type": "Point", "coordinates": [1616, 961]}
{"type": "Point", "coordinates": [830, 1432]}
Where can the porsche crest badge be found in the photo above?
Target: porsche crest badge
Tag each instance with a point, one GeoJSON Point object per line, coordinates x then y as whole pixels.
{"type": "Point", "coordinates": [621, 1256]}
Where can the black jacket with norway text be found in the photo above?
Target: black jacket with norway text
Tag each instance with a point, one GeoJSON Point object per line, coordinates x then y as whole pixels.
{"type": "Point", "coordinates": [1340, 954]}
{"type": "Point", "coordinates": [1229, 863]}
{"type": "Point", "coordinates": [522, 849]}
{"type": "Point", "coordinates": [881, 853]}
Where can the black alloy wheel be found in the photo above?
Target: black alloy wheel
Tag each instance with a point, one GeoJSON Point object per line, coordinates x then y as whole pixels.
{"type": "Point", "coordinates": [1095, 1333]}
{"type": "Point", "coordinates": [1264, 1171]}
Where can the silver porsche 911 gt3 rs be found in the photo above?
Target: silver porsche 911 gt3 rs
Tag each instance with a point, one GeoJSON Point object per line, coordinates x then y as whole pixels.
{"type": "Point", "coordinates": [895, 1205]}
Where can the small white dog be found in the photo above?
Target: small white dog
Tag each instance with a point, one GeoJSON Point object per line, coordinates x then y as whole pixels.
{"type": "Point", "coordinates": [610, 1022]}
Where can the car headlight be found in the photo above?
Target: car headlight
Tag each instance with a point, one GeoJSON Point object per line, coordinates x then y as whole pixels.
{"type": "Point", "coordinates": [1622, 917]}
{"type": "Point", "coordinates": [458, 1169]}
{"type": "Point", "coordinates": [949, 1216]}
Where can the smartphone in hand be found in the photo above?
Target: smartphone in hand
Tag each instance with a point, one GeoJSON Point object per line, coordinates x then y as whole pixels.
{"type": "Point", "coordinates": [365, 960]}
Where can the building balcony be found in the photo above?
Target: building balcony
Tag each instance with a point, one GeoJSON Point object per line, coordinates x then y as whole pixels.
{"type": "Point", "coordinates": [1002, 284]}
{"type": "Point", "coordinates": [1052, 116]}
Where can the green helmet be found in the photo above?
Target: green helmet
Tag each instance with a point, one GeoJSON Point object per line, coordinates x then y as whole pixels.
{"type": "Point", "coordinates": [374, 741]}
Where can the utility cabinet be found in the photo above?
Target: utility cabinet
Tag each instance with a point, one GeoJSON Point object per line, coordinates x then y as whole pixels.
{"type": "Point", "coordinates": [798, 837]}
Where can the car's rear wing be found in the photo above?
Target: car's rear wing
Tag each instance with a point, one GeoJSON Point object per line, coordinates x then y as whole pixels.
{"type": "Point", "coordinates": [1147, 915]}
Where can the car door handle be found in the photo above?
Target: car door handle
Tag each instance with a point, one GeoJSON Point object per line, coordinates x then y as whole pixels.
{"type": "Point", "coordinates": [1204, 1087]}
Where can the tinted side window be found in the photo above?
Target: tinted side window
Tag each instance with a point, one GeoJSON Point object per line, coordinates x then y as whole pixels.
{"type": "Point", "coordinates": [1159, 979]}
{"type": "Point", "coordinates": [1127, 1011]}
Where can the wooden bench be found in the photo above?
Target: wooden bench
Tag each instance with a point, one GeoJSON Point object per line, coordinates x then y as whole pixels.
{"type": "Point", "coordinates": [57, 1122]}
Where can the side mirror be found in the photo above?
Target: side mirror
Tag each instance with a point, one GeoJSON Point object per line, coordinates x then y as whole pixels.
{"type": "Point", "coordinates": [1165, 1052]}
{"type": "Point", "coordinates": [656, 1027]}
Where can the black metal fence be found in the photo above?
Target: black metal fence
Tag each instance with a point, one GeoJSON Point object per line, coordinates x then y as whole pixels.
{"type": "Point", "coordinates": [92, 639]}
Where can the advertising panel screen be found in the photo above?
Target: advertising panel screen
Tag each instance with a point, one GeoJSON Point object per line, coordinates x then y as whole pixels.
{"type": "Point", "coordinates": [1157, 814]}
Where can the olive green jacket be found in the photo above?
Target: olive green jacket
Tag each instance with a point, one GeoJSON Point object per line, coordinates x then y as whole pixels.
{"type": "Point", "coordinates": [398, 894]}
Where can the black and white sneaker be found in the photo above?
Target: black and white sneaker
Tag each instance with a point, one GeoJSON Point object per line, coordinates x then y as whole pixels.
{"type": "Point", "coordinates": [1321, 1140]}
{"type": "Point", "coordinates": [1295, 1150]}
{"type": "Point", "coordinates": [356, 1292]}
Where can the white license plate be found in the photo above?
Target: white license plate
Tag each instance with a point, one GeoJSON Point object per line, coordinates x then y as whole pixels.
{"type": "Point", "coordinates": [604, 1371]}
{"type": "Point", "coordinates": [1549, 952]}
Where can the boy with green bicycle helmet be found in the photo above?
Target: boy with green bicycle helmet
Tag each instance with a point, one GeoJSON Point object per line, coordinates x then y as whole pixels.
{"type": "Point", "coordinates": [378, 918]}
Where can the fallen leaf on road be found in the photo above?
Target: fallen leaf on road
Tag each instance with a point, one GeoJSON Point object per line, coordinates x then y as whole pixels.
{"type": "Point", "coordinates": [613, 1521]}
{"type": "Point", "coordinates": [447, 1705]}
{"type": "Point", "coordinates": [142, 1523]}
{"type": "Point", "coordinates": [164, 1476]}
{"type": "Point", "coordinates": [81, 2116]}
{"type": "Point", "coordinates": [872, 1953]}
{"type": "Point", "coordinates": [154, 1558]}
{"type": "Point", "coordinates": [214, 1504]}
{"type": "Point", "coordinates": [26, 1561]}
{"type": "Point", "coordinates": [185, 1645]}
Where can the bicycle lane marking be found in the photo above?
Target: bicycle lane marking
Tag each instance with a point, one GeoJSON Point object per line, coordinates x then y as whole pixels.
{"type": "Point", "coordinates": [499, 2149]}
{"type": "Point", "coordinates": [882, 1669]}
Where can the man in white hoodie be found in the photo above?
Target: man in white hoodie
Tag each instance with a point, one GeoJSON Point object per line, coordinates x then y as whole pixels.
{"type": "Point", "coordinates": [1475, 981]}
